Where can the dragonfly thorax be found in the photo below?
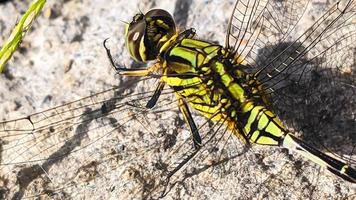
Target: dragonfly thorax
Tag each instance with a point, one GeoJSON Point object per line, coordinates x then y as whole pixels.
{"type": "Point", "coordinates": [146, 33]}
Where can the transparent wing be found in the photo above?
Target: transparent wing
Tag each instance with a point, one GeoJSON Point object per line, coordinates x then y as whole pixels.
{"type": "Point", "coordinates": [320, 89]}
{"type": "Point", "coordinates": [61, 150]}
{"type": "Point", "coordinates": [308, 76]}
{"type": "Point", "coordinates": [312, 80]}
{"type": "Point", "coordinates": [308, 72]}
{"type": "Point", "coordinates": [256, 24]}
{"type": "Point", "coordinates": [332, 32]}
{"type": "Point", "coordinates": [107, 141]}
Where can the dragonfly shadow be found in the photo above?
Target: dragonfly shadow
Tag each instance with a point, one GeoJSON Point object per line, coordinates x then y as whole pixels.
{"type": "Point", "coordinates": [314, 97]}
{"type": "Point", "coordinates": [27, 175]}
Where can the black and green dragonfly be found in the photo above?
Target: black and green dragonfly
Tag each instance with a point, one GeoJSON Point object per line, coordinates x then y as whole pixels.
{"type": "Point", "coordinates": [264, 86]}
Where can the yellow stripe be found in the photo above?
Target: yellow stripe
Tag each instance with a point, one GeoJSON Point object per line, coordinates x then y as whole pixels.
{"type": "Point", "coordinates": [176, 81]}
{"type": "Point", "coordinates": [168, 43]}
{"type": "Point", "coordinates": [211, 49]}
{"type": "Point", "coordinates": [200, 59]}
{"type": "Point", "coordinates": [226, 79]}
{"type": "Point", "coordinates": [206, 109]}
{"type": "Point", "coordinates": [247, 107]}
{"type": "Point", "coordinates": [162, 24]}
{"type": "Point", "coordinates": [238, 92]}
{"type": "Point", "coordinates": [142, 49]}
{"type": "Point", "coordinates": [219, 68]}
{"type": "Point", "coordinates": [194, 43]}
{"type": "Point", "coordinates": [266, 141]}
{"type": "Point", "coordinates": [235, 89]}
{"type": "Point", "coordinates": [126, 30]}
{"type": "Point", "coordinates": [273, 129]}
{"type": "Point", "coordinates": [254, 136]}
{"type": "Point", "coordinates": [190, 91]}
{"type": "Point", "coordinates": [262, 122]}
{"type": "Point", "coordinates": [172, 81]}
{"type": "Point", "coordinates": [186, 54]}
{"type": "Point", "coordinates": [254, 112]}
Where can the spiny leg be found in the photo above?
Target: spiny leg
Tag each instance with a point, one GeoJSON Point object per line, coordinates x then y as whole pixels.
{"type": "Point", "coordinates": [138, 72]}
{"type": "Point", "coordinates": [130, 72]}
{"type": "Point", "coordinates": [153, 100]}
{"type": "Point", "coordinates": [108, 53]}
{"type": "Point", "coordinates": [189, 119]}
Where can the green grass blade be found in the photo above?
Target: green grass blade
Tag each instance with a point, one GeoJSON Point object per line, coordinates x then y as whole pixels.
{"type": "Point", "coordinates": [19, 32]}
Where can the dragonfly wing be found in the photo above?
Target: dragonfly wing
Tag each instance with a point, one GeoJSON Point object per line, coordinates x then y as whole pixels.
{"type": "Point", "coordinates": [312, 81]}
{"type": "Point", "coordinates": [62, 151]}
{"type": "Point", "coordinates": [109, 140]}
{"type": "Point", "coordinates": [255, 24]}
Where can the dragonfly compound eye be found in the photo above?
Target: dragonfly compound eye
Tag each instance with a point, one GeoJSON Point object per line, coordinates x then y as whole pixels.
{"type": "Point", "coordinates": [148, 32]}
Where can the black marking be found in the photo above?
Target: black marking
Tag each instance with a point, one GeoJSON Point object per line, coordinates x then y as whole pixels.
{"type": "Point", "coordinates": [178, 59]}
{"type": "Point", "coordinates": [254, 127]}
{"type": "Point", "coordinates": [335, 166]}
{"type": "Point", "coordinates": [212, 105]}
{"type": "Point", "coordinates": [185, 76]}
{"type": "Point", "coordinates": [243, 117]}
{"type": "Point", "coordinates": [183, 87]}
{"type": "Point", "coordinates": [197, 141]}
{"type": "Point", "coordinates": [153, 100]}
{"type": "Point", "coordinates": [195, 96]}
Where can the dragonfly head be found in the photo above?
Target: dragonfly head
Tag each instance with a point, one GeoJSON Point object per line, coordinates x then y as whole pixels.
{"type": "Point", "coordinates": [146, 33]}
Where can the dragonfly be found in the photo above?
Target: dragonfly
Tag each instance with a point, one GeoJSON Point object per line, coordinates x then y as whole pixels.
{"type": "Point", "coordinates": [124, 141]}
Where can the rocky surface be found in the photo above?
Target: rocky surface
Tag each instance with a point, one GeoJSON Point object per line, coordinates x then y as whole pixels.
{"type": "Point", "coordinates": [62, 59]}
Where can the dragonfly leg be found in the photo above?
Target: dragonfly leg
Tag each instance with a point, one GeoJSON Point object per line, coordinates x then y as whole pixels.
{"type": "Point", "coordinates": [152, 102]}
{"type": "Point", "coordinates": [189, 119]}
{"type": "Point", "coordinates": [108, 53]}
{"type": "Point", "coordinates": [138, 72]}
{"type": "Point", "coordinates": [129, 72]}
